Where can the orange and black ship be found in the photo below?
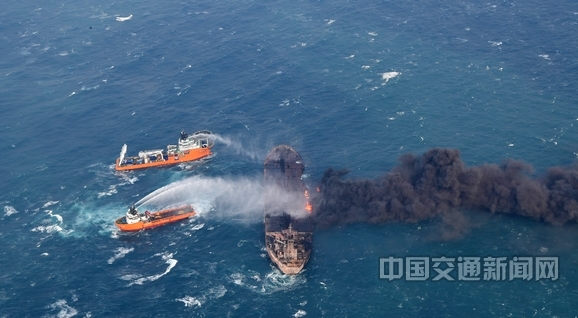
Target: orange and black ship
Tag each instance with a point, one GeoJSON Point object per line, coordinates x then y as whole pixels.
{"type": "Point", "coordinates": [288, 223]}
{"type": "Point", "coordinates": [134, 221]}
{"type": "Point", "coordinates": [188, 148]}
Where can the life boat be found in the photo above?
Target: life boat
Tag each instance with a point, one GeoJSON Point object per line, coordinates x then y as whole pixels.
{"type": "Point", "coordinates": [134, 221]}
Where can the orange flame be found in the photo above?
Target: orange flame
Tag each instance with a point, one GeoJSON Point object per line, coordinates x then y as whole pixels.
{"type": "Point", "coordinates": [308, 205]}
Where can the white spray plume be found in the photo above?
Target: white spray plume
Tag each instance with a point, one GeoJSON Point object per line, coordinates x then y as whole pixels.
{"type": "Point", "coordinates": [247, 148]}
{"type": "Point", "coordinates": [238, 199]}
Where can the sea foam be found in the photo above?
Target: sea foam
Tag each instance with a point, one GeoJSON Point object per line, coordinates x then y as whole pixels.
{"type": "Point", "coordinates": [168, 258]}
{"type": "Point", "coordinates": [122, 19]}
{"type": "Point", "coordinates": [9, 210]}
{"type": "Point", "coordinates": [389, 75]}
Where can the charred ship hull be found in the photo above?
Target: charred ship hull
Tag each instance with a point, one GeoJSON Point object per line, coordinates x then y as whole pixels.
{"type": "Point", "coordinates": [288, 224]}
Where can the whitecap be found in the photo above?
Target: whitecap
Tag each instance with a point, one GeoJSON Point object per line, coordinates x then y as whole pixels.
{"type": "Point", "coordinates": [198, 227]}
{"type": "Point", "coordinates": [9, 210]}
{"type": "Point", "coordinates": [272, 282]}
{"type": "Point", "coordinates": [65, 310]}
{"type": "Point", "coordinates": [330, 22]}
{"type": "Point", "coordinates": [122, 19]}
{"type": "Point", "coordinates": [237, 278]}
{"type": "Point", "coordinates": [365, 67]}
{"type": "Point", "coordinates": [168, 257]}
{"type": "Point", "coordinates": [372, 33]}
{"type": "Point", "coordinates": [56, 216]}
{"type": "Point", "coordinates": [130, 277]}
{"type": "Point", "coordinates": [49, 203]}
{"type": "Point", "coordinates": [47, 229]}
{"type": "Point", "coordinates": [120, 253]}
{"type": "Point", "coordinates": [389, 75]}
{"type": "Point", "coordinates": [111, 190]}
{"type": "Point", "coordinates": [190, 301]}
{"type": "Point", "coordinates": [128, 179]}
{"type": "Point", "coordinates": [300, 313]}
{"type": "Point", "coordinates": [84, 88]}
{"type": "Point", "coordinates": [216, 292]}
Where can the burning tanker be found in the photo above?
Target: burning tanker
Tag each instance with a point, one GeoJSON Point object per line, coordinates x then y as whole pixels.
{"type": "Point", "coordinates": [422, 187]}
{"type": "Point", "coordinates": [288, 226]}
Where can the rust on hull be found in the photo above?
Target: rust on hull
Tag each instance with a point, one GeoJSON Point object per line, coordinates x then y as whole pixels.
{"type": "Point", "coordinates": [288, 226]}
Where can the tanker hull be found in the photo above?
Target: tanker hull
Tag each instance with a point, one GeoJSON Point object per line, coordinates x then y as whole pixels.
{"type": "Point", "coordinates": [288, 225]}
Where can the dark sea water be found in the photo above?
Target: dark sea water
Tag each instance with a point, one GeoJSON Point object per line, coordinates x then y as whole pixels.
{"type": "Point", "coordinates": [495, 80]}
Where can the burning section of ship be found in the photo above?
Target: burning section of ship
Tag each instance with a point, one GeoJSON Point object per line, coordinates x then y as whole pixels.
{"type": "Point", "coordinates": [288, 224]}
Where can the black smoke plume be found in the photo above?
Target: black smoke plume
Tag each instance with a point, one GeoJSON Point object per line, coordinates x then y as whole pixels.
{"type": "Point", "coordinates": [439, 183]}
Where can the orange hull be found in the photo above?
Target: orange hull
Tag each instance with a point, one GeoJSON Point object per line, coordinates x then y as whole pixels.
{"type": "Point", "coordinates": [157, 219]}
{"type": "Point", "coordinates": [189, 155]}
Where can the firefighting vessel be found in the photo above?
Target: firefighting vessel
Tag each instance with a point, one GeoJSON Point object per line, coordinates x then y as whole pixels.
{"type": "Point", "coordinates": [134, 221]}
{"type": "Point", "coordinates": [188, 148]}
{"type": "Point", "coordinates": [288, 224]}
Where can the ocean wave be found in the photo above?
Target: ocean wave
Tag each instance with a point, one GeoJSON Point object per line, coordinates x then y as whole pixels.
{"type": "Point", "coordinates": [89, 88]}
{"type": "Point", "coordinates": [50, 228]}
{"type": "Point", "coordinates": [270, 283]}
{"type": "Point", "coordinates": [122, 19]}
{"type": "Point", "coordinates": [127, 179]}
{"type": "Point", "coordinates": [216, 292]}
{"type": "Point", "coordinates": [64, 310]}
{"type": "Point", "coordinates": [198, 227]}
{"type": "Point", "coordinates": [47, 229]}
{"type": "Point", "coordinates": [111, 190]}
{"type": "Point", "coordinates": [190, 301]}
{"type": "Point", "coordinates": [120, 253]}
{"type": "Point", "coordinates": [9, 210]}
{"type": "Point", "coordinates": [389, 75]}
{"type": "Point", "coordinates": [137, 280]}
{"type": "Point", "coordinates": [56, 216]}
{"type": "Point", "coordinates": [49, 203]}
